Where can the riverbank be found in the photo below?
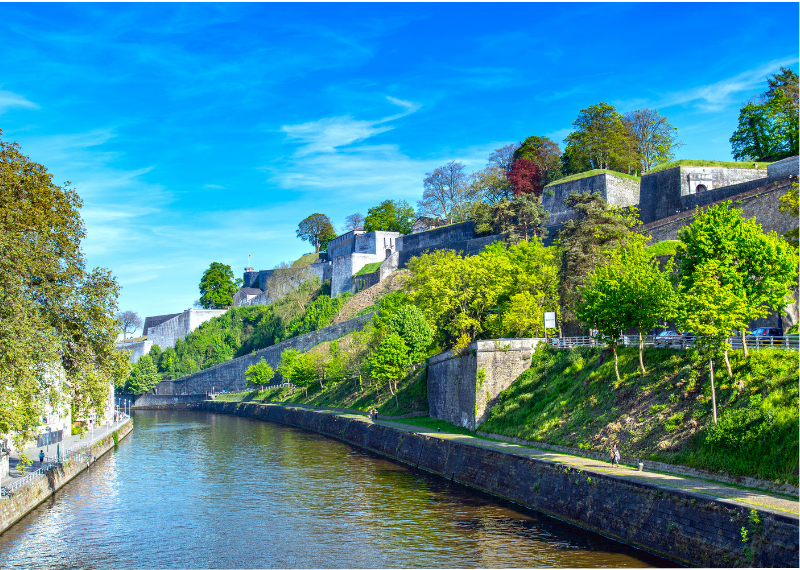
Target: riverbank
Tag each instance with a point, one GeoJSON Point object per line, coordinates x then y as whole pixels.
{"type": "Point", "coordinates": [23, 500]}
{"type": "Point", "coordinates": [689, 521]}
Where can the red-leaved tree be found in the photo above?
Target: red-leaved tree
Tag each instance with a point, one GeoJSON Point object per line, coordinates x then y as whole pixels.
{"type": "Point", "coordinates": [525, 178]}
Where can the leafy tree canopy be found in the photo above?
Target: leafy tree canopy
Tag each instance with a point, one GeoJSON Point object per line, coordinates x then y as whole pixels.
{"type": "Point", "coordinates": [390, 216]}
{"type": "Point", "coordinates": [545, 154]}
{"type": "Point", "coordinates": [58, 327]}
{"type": "Point", "coordinates": [259, 373]}
{"type": "Point", "coordinates": [317, 230]}
{"type": "Point", "coordinates": [217, 286]}
{"type": "Point", "coordinates": [525, 178]}
{"type": "Point", "coordinates": [410, 325]}
{"type": "Point", "coordinates": [144, 376]}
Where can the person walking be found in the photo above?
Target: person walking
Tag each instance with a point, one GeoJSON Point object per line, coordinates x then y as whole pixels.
{"type": "Point", "coordinates": [41, 457]}
{"type": "Point", "coordinates": [614, 455]}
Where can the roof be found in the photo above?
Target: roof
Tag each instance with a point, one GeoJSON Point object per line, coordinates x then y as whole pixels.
{"type": "Point", "coordinates": [150, 322]}
{"type": "Point", "coordinates": [250, 291]}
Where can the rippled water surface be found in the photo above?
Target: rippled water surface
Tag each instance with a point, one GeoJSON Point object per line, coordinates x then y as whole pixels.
{"type": "Point", "coordinates": [190, 489]}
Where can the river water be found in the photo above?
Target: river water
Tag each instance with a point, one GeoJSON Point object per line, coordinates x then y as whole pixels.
{"type": "Point", "coordinates": [198, 490]}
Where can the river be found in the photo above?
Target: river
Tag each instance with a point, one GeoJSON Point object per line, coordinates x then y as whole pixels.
{"type": "Point", "coordinates": [191, 489]}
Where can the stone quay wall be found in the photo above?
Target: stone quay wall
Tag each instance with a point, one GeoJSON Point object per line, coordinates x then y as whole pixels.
{"type": "Point", "coordinates": [462, 388]}
{"type": "Point", "coordinates": [31, 496]}
{"type": "Point", "coordinates": [686, 527]}
{"type": "Point", "coordinates": [229, 376]}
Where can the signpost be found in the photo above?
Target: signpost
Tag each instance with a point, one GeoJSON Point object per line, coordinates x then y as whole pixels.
{"type": "Point", "coordinates": [549, 323]}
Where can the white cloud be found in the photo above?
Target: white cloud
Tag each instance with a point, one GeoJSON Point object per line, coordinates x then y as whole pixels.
{"type": "Point", "coordinates": [9, 100]}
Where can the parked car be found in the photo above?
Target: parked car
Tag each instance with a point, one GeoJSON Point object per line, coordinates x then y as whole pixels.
{"type": "Point", "coordinates": [763, 335]}
{"type": "Point", "coordinates": [687, 339]}
{"type": "Point", "coordinates": [666, 338]}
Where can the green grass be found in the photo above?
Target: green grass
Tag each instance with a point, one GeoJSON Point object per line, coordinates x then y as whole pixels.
{"type": "Point", "coordinates": [666, 247]}
{"type": "Point", "coordinates": [593, 173]}
{"type": "Point", "coordinates": [305, 260]}
{"type": "Point", "coordinates": [573, 398]}
{"type": "Point", "coordinates": [369, 268]}
{"type": "Point", "coordinates": [432, 423]}
{"type": "Point", "coordinates": [722, 163]}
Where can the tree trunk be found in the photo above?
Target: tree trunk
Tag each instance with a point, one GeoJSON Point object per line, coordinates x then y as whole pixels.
{"type": "Point", "coordinates": [744, 346]}
{"type": "Point", "coordinates": [728, 365]}
{"type": "Point", "coordinates": [616, 363]}
{"type": "Point", "coordinates": [713, 391]}
{"type": "Point", "coordinates": [394, 393]}
{"type": "Point", "coordinates": [641, 354]}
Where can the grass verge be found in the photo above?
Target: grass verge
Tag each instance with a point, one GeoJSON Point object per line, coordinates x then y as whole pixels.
{"type": "Point", "coordinates": [721, 163]}
{"type": "Point", "coordinates": [594, 172]}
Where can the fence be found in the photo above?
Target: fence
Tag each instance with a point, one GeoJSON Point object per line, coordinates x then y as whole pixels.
{"type": "Point", "coordinates": [78, 452]}
{"type": "Point", "coordinates": [789, 342]}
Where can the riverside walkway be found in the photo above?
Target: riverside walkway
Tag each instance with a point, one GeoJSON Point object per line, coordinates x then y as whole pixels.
{"type": "Point", "coordinates": [68, 442]}
{"type": "Point", "coordinates": [722, 491]}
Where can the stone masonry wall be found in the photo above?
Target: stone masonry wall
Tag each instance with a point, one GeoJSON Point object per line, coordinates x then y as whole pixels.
{"type": "Point", "coordinates": [462, 388]}
{"type": "Point", "coordinates": [784, 168]}
{"type": "Point", "coordinates": [229, 376]}
{"type": "Point", "coordinates": [138, 348]}
{"type": "Point", "coordinates": [165, 334]}
{"type": "Point", "coordinates": [686, 527]}
{"type": "Point", "coordinates": [615, 189]}
{"type": "Point", "coordinates": [30, 496]}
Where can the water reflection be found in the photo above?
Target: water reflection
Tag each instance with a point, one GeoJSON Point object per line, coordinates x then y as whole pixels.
{"type": "Point", "coordinates": [214, 491]}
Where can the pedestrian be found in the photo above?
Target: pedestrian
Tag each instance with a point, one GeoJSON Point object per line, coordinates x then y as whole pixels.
{"type": "Point", "coordinates": [615, 455]}
{"type": "Point", "coordinates": [41, 457]}
{"type": "Point", "coordinates": [374, 414]}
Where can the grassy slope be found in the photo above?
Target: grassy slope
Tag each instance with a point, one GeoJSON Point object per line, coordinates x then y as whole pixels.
{"type": "Point", "coordinates": [593, 173]}
{"type": "Point", "coordinates": [666, 247]}
{"type": "Point", "coordinates": [573, 398]}
{"type": "Point", "coordinates": [305, 260]}
{"type": "Point", "coordinates": [369, 268]}
{"type": "Point", "coordinates": [724, 163]}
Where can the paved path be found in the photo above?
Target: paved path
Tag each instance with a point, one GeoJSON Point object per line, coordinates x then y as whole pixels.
{"type": "Point", "coordinates": [69, 441]}
{"type": "Point", "coordinates": [782, 503]}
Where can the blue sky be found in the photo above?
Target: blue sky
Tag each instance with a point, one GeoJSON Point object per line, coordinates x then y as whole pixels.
{"type": "Point", "coordinates": [205, 132]}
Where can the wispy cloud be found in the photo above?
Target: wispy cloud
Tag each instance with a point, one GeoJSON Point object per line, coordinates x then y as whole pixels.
{"type": "Point", "coordinates": [720, 94]}
{"type": "Point", "coordinates": [9, 100]}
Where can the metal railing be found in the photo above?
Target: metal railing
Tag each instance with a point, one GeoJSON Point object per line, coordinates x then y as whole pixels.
{"type": "Point", "coordinates": [789, 342]}
{"type": "Point", "coordinates": [79, 452]}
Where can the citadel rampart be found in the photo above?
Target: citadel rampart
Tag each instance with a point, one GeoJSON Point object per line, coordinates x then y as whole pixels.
{"type": "Point", "coordinates": [684, 526]}
{"type": "Point", "coordinates": [229, 376]}
{"type": "Point", "coordinates": [615, 189]}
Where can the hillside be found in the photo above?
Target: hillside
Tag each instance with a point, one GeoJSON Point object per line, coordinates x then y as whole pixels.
{"type": "Point", "coordinates": [571, 397]}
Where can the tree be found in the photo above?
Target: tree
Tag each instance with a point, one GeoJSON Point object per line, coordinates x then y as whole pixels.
{"type": "Point", "coordinates": [58, 327]}
{"type": "Point", "coordinates": [503, 157]}
{"type": "Point", "coordinates": [317, 230]}
{"type": "Point", "coordinates": [259, 374]}
{"type": "Point", "coordinates": [627, 290]}
{"type": "Point", "coordinates": [597, 228]}
{"type": "Point", "coordinates": [217, 286]}
{"type": "Point", "coordinates": [491, 185]}
{"type": "Point", "coordinates": [144, 376]}
{"type": "Point", "coordinates": [761, 269]}
{"type": "Point", "coordinates": [599, 139]}
{"type": "Point", "coordinates": [523, 217]}
{"type": "Point", "coordinates": [390, 361]}
{"type": "Point", "coordinates": [654, 137]}
{"type": "Point", "coordinates": [525, 178]}
{"type": "Point", "coordinates": [354, 222]}
{"type": "Point", "coordinates": [130, 321]}
{"type": "Point", "coordinates": [768, 123]}
{"type": "Point", "coordinates": [409, 324]}
{"type": "Point", "coordinates": [446, 193]}
{"type": "Point", "coordinates": [544, 153]}
{"type": "Point", "coordinates": [390, 216]}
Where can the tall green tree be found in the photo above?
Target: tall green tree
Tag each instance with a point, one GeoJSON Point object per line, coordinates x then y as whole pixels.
{"type": "Point", "coordinates": [655, 139]}
{"type": "Point", "coordinates": [545, 154]}
{"type": "Point", "coordinates": [390, 216]}
{"type": "Point", "coordinates": [768, 123]}
{"type": "Point", "coordinates": [597, 228]}
{"type": "Point", "coordinates": [259, 373]}
{"type": "Point", "coordinates": [761, 269]}
{"type": "Point", "coordinates": [390, 362]}
{"type": "Point", "coordinates": [521, 218]}
{"type": "Point", "coordinates": [599, 140]}
{"type": "Point", "coordinates": [217, 286]}
{"type": "Point", "coordinates": [317, 230]}
{"type": "Point", "coordinates": [58, 327]}
{"type": "Point", "coordinates": [409, 324]}
{"type": "Point", "coordinates": [144, 376]}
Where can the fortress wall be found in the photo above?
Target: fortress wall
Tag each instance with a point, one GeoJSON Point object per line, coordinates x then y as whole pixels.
{"type": "Point", "coordinates": [229, 376]}
{"type": "Point", "coordinates": [138, 348]}
{"type": "Point", "coordinates": [165, 334]}
{"type": "Point", "coordinates": [465, 248]}
{"type": "Point", "coordinates": [456, 393]}
{"type": "Point", "coordinates": [615, 189]}
{"type": "Point", "coordinates": [434, 239]}
{"type": "Point", "coordinates": [784, 168]}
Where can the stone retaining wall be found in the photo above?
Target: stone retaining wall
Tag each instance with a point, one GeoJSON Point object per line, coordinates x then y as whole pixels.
{"type": "Point", "coordinates": [29, 497]}
{"type": "Point", "coordinates": [686, 527]}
